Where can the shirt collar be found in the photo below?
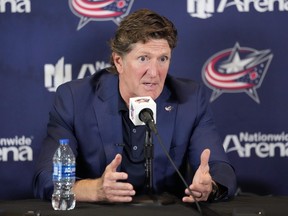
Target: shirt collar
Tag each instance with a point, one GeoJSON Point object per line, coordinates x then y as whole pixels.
{"type": "Point", "coordinates": [121, 104]}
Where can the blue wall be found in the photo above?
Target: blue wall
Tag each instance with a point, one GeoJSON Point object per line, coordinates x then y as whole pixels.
{"type": "Point", "coordinates": [236, 48]}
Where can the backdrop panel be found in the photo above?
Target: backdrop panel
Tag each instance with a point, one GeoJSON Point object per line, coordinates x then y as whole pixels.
{"type": "Point", "coordinates": [237, 49]}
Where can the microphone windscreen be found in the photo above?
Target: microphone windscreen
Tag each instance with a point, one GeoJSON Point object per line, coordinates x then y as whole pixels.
{"type": "Point", "coordinates": [137, 104]}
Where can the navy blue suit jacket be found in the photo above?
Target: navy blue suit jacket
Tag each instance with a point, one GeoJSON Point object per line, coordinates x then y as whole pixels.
{"type": "Point", "coordinates": [86, 112]}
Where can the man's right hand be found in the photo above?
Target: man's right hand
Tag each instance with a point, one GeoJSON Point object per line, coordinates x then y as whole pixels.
{"type": "Point", "coordinates": [107, 188]}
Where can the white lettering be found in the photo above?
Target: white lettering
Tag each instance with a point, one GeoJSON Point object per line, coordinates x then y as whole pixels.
{"type": "Point", "coordinates": [233, 139]}
{"type": "Point", "coordinates": [56, 75]}
{"type": "Point", "coordinates": [206, 8]}
{"type": "Point", "coordinates": [86, 67]}
{"type": "Point", "coordinates": [260, 6]}
{"type": "Point", "coordinates": [101, 64]}
{"type": "Point", "coordinates": [282, 149]}
{"type": "Point", "coordinates": [200, 8]}
{"type": "Point", "coordinates": [22, 153]}
{"type": "Point", "coordinates": [15, 141]}
{"type": "Point", "coordinates": [91, 69]}
{"type": "Point", "coordinates": [61, 73]}
{"type": "Point", "coordinates": [17, 6]}
{"type": "Point", "coordinates": [257, 137]}
{"type": "Point", "coordinates": [262, 150]}
{"type": "Point", "coordinates": [261, 145]}
{"type": "Point", "coordinates": [224, 4]}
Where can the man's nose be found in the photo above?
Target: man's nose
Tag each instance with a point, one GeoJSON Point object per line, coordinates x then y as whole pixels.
{"type": "Point", "coordinates": [153, 68]}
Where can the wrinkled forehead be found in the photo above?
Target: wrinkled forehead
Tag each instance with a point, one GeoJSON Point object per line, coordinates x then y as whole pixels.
{"type": "Point", "coordinates": [159, 46]}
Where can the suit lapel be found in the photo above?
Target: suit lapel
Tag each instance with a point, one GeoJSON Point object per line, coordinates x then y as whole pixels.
{"type": "Point", "coordinates": [108, 117]}
{"type": "Point", "coordinates": [166, 114]}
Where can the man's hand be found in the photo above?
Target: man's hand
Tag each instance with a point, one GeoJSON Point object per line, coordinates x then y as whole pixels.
{"type": "Point", "coordinates": [201, 185]}
{"type": "Point", "coordinates": [107, 188]}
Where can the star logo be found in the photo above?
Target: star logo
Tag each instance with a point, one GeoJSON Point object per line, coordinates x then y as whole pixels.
{"type": "Point", "coordinates": [236, 70]}
{"type": "Point", "coordinates": [100, 10]}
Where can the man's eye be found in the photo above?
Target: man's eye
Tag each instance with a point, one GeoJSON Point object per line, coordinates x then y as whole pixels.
{"type": "Point", "coordinates": [163, 58]}
{"type": "Point", "coordinates": [143, 58]}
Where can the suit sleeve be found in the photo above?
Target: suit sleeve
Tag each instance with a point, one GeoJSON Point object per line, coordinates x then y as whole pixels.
{"type": "Point", "coordinates": [204, 136]}
{"type": "Point", "coordinates": [60, 126]}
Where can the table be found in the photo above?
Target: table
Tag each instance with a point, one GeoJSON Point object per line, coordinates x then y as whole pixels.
{"type": "Point", "coordinates": [272, 206]}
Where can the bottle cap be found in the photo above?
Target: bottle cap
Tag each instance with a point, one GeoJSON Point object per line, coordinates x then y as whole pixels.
{"type": "Point", "coordinates": [63, 141]}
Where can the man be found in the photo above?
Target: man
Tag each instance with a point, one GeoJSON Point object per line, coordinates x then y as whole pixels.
{"type": "Point", "coordinates": [92, 113]}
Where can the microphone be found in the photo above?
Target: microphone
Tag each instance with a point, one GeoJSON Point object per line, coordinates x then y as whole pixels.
{"type": "Point", "coordinates": [142, 111]}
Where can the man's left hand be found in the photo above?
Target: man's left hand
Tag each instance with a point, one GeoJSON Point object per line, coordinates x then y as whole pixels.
{"type": "Point", "coordinates": [201, 186]}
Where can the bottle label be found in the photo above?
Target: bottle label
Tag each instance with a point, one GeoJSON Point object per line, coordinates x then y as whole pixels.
{"type": "Point", "coordinates": [63, 172]}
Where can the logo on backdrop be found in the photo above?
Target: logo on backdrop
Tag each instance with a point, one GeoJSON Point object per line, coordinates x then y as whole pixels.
{"type": "Point", "coordinates": [236, 70]}
{"type": "Point", "coordinates": [15, 6]}
{"type": "Point", "coordinates": [16, 148]}
{"type": "Point", "coordinates": [55, 75]}
{"type": "Point", "coordinates": [204, 9]}
{"type": "Point", "coordinates": [257, 144]}
{"type": "Point", "coordinates": [100, 10]}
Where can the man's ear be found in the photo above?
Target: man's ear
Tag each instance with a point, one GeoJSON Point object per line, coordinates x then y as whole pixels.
{"type": "Point", "coordinates": [118, 61]}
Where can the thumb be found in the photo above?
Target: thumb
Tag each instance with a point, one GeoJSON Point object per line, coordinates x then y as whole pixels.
{"type": "Point", "coordinates": [204, 166]}
{"type": "Point", "coordinates": [115, 162]}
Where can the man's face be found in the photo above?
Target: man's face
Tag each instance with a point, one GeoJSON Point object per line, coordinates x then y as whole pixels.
{"type": "Point", "coordinates": [142, 72]}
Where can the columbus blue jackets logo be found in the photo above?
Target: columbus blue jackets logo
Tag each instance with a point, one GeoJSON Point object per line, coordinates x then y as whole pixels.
{"type": "Point", "coordinates": [100, 10]}
{"type": "Point", "coordinates": [236, 70]}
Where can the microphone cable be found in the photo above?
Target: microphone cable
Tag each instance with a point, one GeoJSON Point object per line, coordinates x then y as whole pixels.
{"type": "Point", "coordinates": [178, 172]}
{"type": "Point", "coordinates": [146, 116]}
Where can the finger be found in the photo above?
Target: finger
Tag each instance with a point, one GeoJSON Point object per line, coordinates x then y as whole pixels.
{"type": "Point", "coordinates": [193, 193]}
{"type": "Point", "coordinates": [119, 192]}
{"type": "Point", "coordinates": [122, 186]}
{"type": "Point", "coordinates": [115, 163]}
{"type": "Point", "coordinates": [119, 198]}
{"type": "Point", "coordinates": [191, 199]}
{"type": "Point", "coordinates": [196, 196]}
{"type": "Point", "coordinates": [188, 199]}
{"type": "Point", "coordinates": [116, 192]}
{"type": "Point", "coordinates": [204, 166]}
{"type": "Point", "coordinates": [116, 176]}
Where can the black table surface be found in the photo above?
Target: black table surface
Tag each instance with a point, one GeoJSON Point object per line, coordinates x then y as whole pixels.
{"type": "Point", "coordinates": [239, 206]}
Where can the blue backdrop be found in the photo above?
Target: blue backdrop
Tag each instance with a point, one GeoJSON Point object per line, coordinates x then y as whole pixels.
{"type": "Point", "coordinates": [238, 49]}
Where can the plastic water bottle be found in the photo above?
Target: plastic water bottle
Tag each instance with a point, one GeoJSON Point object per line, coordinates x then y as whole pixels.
{"type": "Point", "coordinates": [63, 177]}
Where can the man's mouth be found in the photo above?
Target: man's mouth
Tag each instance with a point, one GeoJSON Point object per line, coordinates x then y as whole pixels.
{"type": "Point", "coordinates": [149, 84]}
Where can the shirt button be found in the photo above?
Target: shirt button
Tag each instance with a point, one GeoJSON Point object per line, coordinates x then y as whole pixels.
{"type": "Point", "coordinates": [134, 148]}
{"type": "Point", "coordinates": [134, 130]}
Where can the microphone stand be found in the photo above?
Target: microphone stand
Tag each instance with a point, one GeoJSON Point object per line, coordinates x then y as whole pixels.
{"type": "Point", "coordinates": [149, 154]}
{"type": "Point", "coordinates": [150, 198]}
